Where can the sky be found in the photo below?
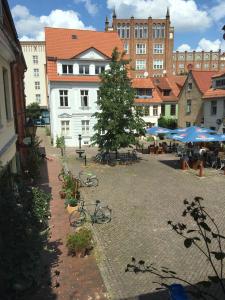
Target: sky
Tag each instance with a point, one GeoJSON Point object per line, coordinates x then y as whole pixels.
{"type": "Point", "coordinates": [197, 23]}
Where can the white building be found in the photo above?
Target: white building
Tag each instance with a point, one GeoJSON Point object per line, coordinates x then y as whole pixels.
{"type": "Point", "coordinates": [35, 76]}
{"type": "Point", "coordinates": [74, 62]}
{"type": "Point", "coordinates": [214, 104]}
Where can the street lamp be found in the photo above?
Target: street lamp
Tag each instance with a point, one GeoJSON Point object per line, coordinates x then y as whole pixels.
{"type": "Point", "coordinates": [79, 138]}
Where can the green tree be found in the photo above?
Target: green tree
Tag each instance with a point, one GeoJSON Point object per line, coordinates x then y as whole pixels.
{"type": "Point", "coordinates": [33, 111]}
{"type": "Point", "coordinates": [167, 123]}
{"type": "Point", "coordinates": [117, 122]}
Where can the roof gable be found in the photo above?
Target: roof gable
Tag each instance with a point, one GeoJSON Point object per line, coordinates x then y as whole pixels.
{"type": "Point", "coordinates": [91, 54]}
{"type": "Point", "coordinates": [203, 79]}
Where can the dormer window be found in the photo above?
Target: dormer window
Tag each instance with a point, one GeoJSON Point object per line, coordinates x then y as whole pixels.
{"type": "Point", "coordinates": [143, 93]}
{"type": "Point", "coordinates": [166, 92]}
{"type": "Point", "coordinates": [84, 69]}
{"type": "Point", "coordinates": [220, 82]}
{"type": "Point", "coordinates": [67, 69]}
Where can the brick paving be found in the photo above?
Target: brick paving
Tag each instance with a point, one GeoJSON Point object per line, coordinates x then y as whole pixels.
{"type": "Point", "coordinates": [143, 197]}
{"type": "Point", "coordinates": [79, 278]}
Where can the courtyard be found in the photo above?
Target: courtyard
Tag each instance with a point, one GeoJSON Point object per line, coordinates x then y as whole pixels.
{"type": "Point", "coordinates": [143, 197]}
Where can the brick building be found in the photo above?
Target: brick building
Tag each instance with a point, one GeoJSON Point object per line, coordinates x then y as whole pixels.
{"type": "Point", "coordinates": [195, 60]}
{"type": "Point", "coordinates": [12, 99]}
{"type": "Point", "coordinates": [148, 43]}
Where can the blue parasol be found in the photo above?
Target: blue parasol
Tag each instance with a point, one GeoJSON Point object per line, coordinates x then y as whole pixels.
{"type": "Point", "coordinates": [157, 130]}
{"type": "Point", "coordinates": [196, 137]}
{"type": "Point", "coordinates": [193, 129]}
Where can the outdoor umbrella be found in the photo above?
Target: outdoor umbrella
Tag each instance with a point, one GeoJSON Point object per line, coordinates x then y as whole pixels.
{"type": "Point", "coordinates": [157, 130]}
{"type": "Point", "coordinates": [193, 129]}
{"type": "Point", "coordinates": [196, 137]}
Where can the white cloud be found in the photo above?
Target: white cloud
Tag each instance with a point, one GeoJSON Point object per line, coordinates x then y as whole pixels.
{"type": "Point", "coordinates": [218, 11]}
{"type": "Point", "coordinates": [91, 7]}
{"type": "Point", "coordinates": [185, 14]}
{"type": "Point", "coordinates": [184, 47]}
{"type": "Point", "coordinates": [30, 27]}
{"type": "Point", "coordinates": [205, 45]}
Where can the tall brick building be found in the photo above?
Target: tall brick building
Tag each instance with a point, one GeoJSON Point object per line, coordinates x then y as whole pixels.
{"type": "Point", "coordinates": [148, 43]}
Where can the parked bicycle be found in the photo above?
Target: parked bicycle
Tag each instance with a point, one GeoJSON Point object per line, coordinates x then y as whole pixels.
{"type": "Point", "coordinates": [101, 214]}
{"type": "Point", "coordinates": [84, 178]}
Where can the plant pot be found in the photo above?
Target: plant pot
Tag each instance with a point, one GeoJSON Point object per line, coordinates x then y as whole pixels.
{"type": "Point", "coordinates": [71, 209]}
{"type": "Point", "coordinates": [62, 195]}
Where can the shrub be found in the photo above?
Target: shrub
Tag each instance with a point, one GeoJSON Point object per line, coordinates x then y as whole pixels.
{"type": "Point", "coordinates": [41, 206]}
{"type": "Point", "coordinates": [79, 241]}
{"type": "Point", "coordinates": [60, 143]}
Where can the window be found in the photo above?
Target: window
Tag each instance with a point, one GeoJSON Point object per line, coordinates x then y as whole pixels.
{"type": "Point", "coordinates": [83, 69]}
{"type": "Point", "coordinates": [141, 64]}
{"type": "Point", "coordinates": [188, 124]}
{"type": "Point", "coordinates": [157, 64]}
{"type": "Point", "coordinates": [181, 57]}
{"type": "Point", "coordinates": [36, 72]}
{"type": "Point", "coordinates": [84, 98]}
{"type": "Point", "coordinates": [197, 66]}
{"type": "Point", "coordinates": [188, 107]}
{"type": "Point", "coordinates": [158, 31]}
{"type": "Point", "coordinates": [163, 110]}
{"type": "Point", "coordinates": [140, 48]}
{"type": "Point", "coordinates": [189, 86]}
{"type": "Point", "coordinates": [99, 69]}
{"type": "Point", "coordinates": [85, 126]}
{"type": "Point", "coordinates": [143, 93]}
{"type": "Point", "coordinates": [173, 109]}
{"type": "Point", "coordinates": [126, 47]}
{"type": "Point", "coordinates": [166, 92]}
{"type": "Point", "coordinates": [37, 85]}
{"type": "Point", "coordinates": [67, 69]}
{"type": "Point", "coordinates": [139, 109]}
{"type": "Point", "coordinates": [141, 31]}
{"type": "Point", "coordinates": [155, 110]}
{"type": "Point", "coordinates": [123, 31]}
{"type": "Point", "coordinates": [181, 66]}
{"type": "Point", "coordinates": [146, 110]}
{"type": "Point", "coordinates": [63, 96]}
{"type": "Point", "coordinates": [8, 108]}
{"type": "Point", "coordinates": [214, 66]}
{"type": "Point", "coordinates": [158, 49]}
{"type": "Point", "coordinates": [213, 107]}
{"type": "Point", "coordinates": [35, 59]}
{"type": "Point", "coordinates": [38, 98]}
{"type": "Point", "coordinates": [65, 128]}
{"type": "Point", "coordinates": [140, 76]}
{"type": "Point", "coordinates": [220, 82]}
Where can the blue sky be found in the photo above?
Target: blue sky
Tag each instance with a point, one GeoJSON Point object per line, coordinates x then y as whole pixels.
{"type": "Point", "coordinates": [197, 23]}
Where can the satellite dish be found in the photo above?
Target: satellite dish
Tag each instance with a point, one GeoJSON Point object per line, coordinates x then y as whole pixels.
{"type": "Point", "coordinates": [164, 72]}
{"type": "Point", "coordinates": [145, 74]}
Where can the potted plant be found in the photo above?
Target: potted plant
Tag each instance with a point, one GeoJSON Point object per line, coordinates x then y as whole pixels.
{"type": "Point", "coordinates": [70, 204]}
{"type": "Point", "coordinates": [62, 194]}
{"type": "Point", "coordinates": [80, 242]}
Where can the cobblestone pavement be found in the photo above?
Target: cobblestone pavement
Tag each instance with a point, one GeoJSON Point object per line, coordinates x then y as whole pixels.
{"type": "Point", "coordinates": [143, 197]}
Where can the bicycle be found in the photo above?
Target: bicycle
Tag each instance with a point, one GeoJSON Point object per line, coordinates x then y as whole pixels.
{"type": "Point", "coordinates": [101, 214]}
{"type": "Point", "coordinates": [87, 179]}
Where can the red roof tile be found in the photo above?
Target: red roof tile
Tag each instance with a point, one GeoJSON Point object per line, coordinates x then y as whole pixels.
{"type": "Point", "coordinates": [214, 93]}
{"type": "Point", "coordinates": [203, 79]}
{"type": "Point", "coordinates": [143, 83]}
{"type": "Point", "coordinates": [219, 74]}
{"type": "Point", "coordinates": [60, 44]}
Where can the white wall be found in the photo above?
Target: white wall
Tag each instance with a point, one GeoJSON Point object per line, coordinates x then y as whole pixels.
{"type": "Point", "coordinates": [73, 113]}
{"type": "Point", "coordinates": [30, 49]}
{"type": "Point", "coordinates": [211, 120]}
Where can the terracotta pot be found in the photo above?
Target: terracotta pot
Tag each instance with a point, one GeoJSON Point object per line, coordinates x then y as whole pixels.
{"type": "Point", "coordinates": [62, 195]}
{"type": "Point", "coordinates": [70, 209]}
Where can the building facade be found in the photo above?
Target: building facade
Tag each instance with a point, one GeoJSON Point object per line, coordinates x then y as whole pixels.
{"type": "Point", "coordinates": [200, 61]}
{"type": "Point", "coordinates": [74, 63]}
{"type": "Point", "coordinates": [190, 104]}
{"type": "Point", "coordinates": [35, 77]}
{"type": "Point", "coordinates": [147, 42]}
{"type": "Point", "coordinates": [12, 100]}
{"type": "Point", "coordinates": [214, 104]}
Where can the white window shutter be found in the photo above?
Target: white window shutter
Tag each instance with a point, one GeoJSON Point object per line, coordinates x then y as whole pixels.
{"type": "Point", "coordinates": [59, 68]}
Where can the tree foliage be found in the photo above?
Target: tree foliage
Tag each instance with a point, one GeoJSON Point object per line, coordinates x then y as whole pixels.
{"type": "Point", "coordinates": [117, 123]}
{"type": "Point", "coordinates": [167, 123]}
{"type": "Point", "coordinates": [33, 111]}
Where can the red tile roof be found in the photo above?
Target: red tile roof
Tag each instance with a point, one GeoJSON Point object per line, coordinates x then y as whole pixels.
{"type": "Point", "coordinates": [214, 93]}
{"type": "Point", "coordinates": [203, 79]}
{"type": "Point", "coordinates": [219, 74]}
{"type": "Point", "coordinates": [60, 44]}
{"type": "Point", "coordinates": [142, 83]}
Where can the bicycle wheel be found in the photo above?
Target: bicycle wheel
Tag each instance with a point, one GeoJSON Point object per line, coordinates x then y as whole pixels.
{"type": "Point", "coordinates": [77, 218]}
{"type": "Point", "coordinates": [93, 182]}
{"type": "Point", "coordinates": [103, 215]}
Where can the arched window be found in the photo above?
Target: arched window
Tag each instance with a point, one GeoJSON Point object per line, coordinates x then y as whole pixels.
{"type": "Point", "coordinates": [141, 31]}
{"type": "Point", "coordinates": [154, 31]}
{"type": "Point", "coordinates": [163, 31]}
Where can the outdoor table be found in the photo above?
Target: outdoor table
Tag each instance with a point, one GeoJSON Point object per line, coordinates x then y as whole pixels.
{"type": "Point", "coordinates": [80, 152]}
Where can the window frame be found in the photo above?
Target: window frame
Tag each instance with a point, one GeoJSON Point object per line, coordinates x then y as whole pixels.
{"type": "Point", "coordinates": [188, 106]}
{"type": "Point", "coordinates": [155, 110]}
{"type": "Point", "coordinates": [85, 69]}
{"type": "Point", "coordinates": [85, 124]}
{"type": "Point", "coordinates": [213, 108]}
{"type": "Point", "coordinates": [84, 96]}
{"type": "Point", "coordinates": [35, 59]}
{"type": "Point", "coordinates": [65, 128]}
{"type": "Point", "coordinates": [138, 65]}
{"type": "Point", "coordinates": [141, 48]}
{"type": "Point", "coordinates": [67, 69]}
{"type": "Point", "coordinates": [63, 98]}
{"type": "Point", "coordinates": [37, 85]}
{"type": "Point", "coordinates": [173, 109]}
{"type": "Point", "coordinates": [157, 65]}
{"type": "Point", "coordinates": [158, 50]}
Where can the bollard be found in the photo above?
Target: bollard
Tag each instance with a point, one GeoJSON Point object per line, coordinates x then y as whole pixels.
{"type": "Point", "coordinates": [85, 160]}
{"type": "Point", "coordinates": [201, 169]}
{"type": "Point", "coordinates": [182, 164]}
